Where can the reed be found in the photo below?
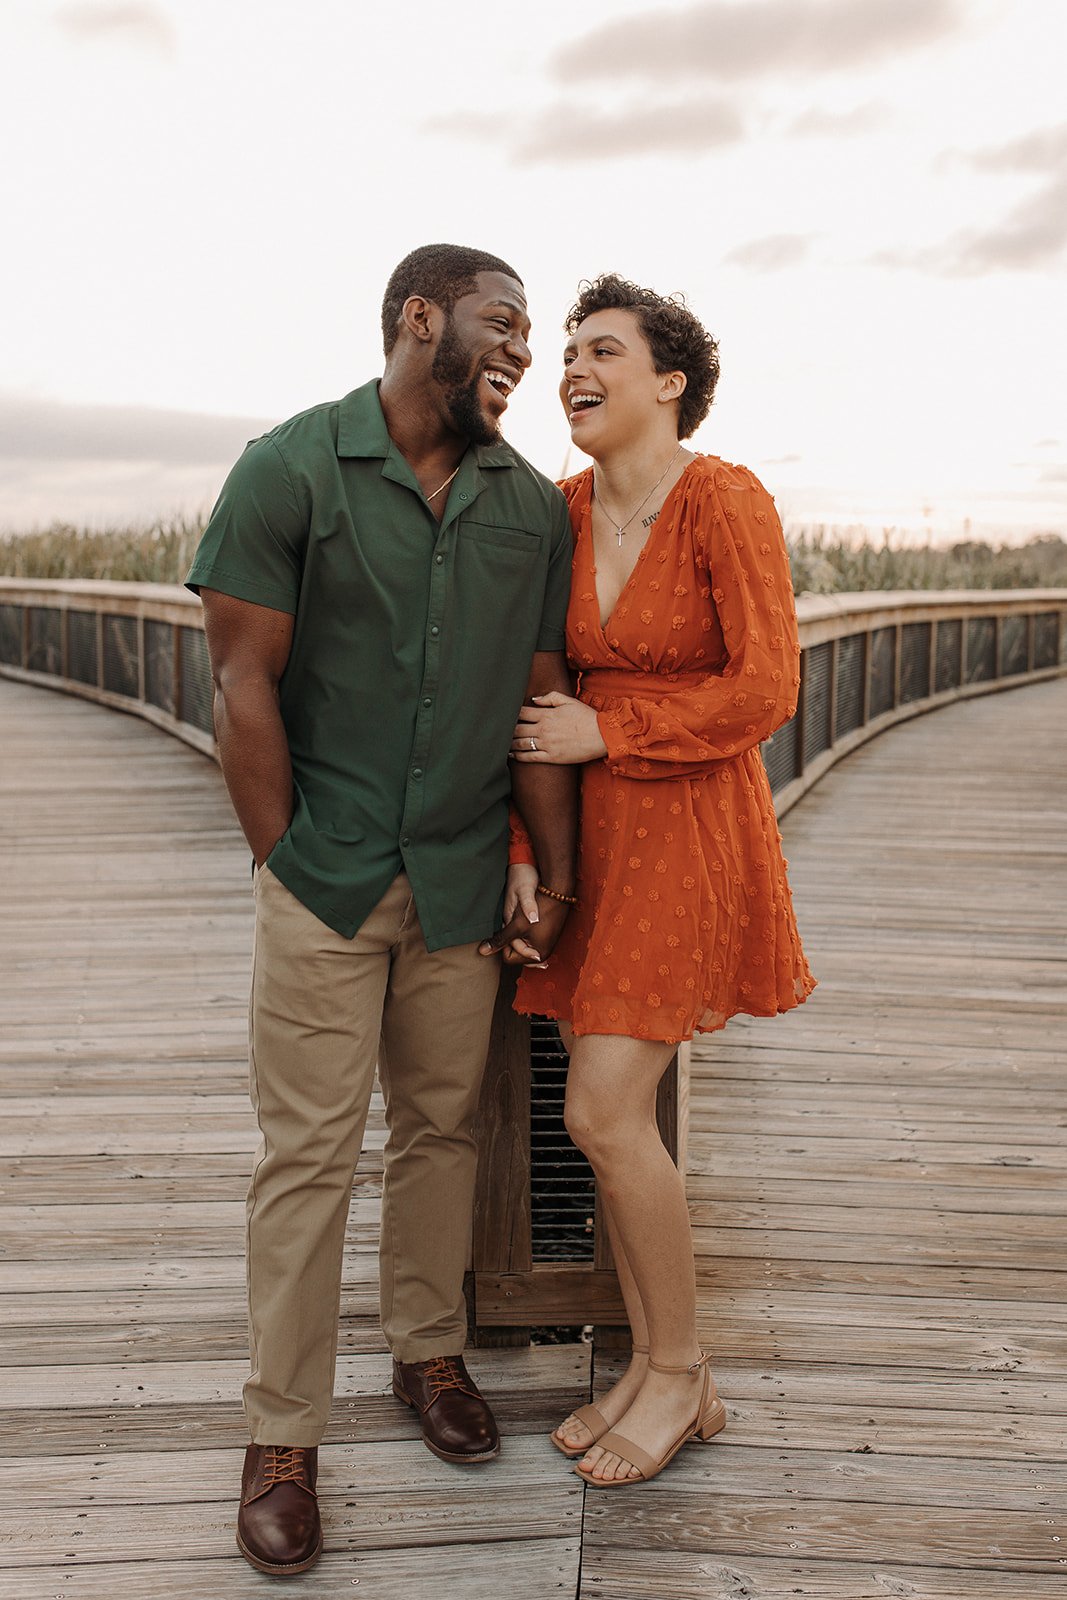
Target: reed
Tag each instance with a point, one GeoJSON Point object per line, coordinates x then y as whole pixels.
{"type": "Point", "coordinates": [823, 561]}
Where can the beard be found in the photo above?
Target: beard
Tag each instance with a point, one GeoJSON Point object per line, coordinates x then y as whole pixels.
{"type": "Point", "coordinates": [452, 370]}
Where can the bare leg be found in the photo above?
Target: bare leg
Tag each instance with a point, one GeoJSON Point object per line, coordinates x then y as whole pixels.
{"type": "Point", "coordinates": [616, 1402]}
{"type": "Point", "coordinates": [611, 1115]}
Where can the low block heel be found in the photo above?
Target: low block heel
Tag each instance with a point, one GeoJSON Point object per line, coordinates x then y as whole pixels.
{"type": "Point", "coordinates": [713, 1423]}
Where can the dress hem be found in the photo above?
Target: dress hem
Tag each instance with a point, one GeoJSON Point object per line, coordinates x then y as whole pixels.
{"type": "Point", "coordinates": [617, 1032]}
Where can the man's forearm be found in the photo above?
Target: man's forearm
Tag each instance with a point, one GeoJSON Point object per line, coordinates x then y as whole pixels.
{"type": "Point", "coordinates": [546, 798]}
{"type": "Point", "coordinates": [254, 755]}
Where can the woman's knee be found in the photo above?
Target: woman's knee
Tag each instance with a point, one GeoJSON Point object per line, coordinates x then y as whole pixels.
{"type": "Point", "coordinates": [596, 1127]}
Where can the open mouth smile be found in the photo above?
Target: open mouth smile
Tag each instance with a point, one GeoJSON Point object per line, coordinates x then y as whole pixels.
{"type": "Point", "coordinates": [501, 383]}
{"type": "Point", "coordinates": [583, 400]}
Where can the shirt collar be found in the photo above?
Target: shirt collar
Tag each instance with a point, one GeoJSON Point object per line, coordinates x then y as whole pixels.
{"type": "Point", "coordinates": [361, 431]}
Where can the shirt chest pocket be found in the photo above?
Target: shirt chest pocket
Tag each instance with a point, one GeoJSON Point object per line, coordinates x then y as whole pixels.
{"type": "Point", "coordinates": [488, 543]}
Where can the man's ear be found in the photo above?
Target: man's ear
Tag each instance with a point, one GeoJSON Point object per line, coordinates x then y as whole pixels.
{"type": "Point", "coordinates": [421, 317]}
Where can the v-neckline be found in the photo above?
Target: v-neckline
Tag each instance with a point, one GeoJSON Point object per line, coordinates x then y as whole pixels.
{"type": "Point", "coordinates": [604, 623]}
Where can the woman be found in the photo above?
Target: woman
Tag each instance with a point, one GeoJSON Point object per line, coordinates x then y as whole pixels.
{"type": "Point", "coordinates": [683, 633]}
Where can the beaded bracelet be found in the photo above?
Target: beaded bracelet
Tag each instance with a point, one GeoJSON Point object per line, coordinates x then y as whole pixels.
{"type": "Point", "coordinates": [553, 894]}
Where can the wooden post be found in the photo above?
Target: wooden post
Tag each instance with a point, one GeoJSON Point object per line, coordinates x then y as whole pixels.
{"type": "Point", "coordinates": [502, 1224]}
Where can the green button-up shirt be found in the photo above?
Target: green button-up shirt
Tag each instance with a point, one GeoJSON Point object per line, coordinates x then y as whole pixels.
{"type": "Point", "coordinates": [411, 651]}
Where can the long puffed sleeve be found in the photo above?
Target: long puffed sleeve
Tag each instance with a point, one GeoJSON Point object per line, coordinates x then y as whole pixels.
{"type": "Point", "coordinates": [520, 845]}
{"type": "Point", "coordinates": [743, 588]}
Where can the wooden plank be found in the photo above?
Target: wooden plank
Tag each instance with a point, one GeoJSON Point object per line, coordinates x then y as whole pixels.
{"type": "Point", "coordinates": [523, 1570]}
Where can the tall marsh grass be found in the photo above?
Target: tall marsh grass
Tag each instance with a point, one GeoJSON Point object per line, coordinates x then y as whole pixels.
{"type": "Point", "coordinates": [160, 552]}
{"type": "Point", "coordinates": [823, 562]}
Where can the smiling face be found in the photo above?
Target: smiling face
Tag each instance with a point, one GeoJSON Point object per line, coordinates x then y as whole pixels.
{"type": "Point", "coordinates": [481, 356]}
{"type": "Point", "coordinates": [610, 389]}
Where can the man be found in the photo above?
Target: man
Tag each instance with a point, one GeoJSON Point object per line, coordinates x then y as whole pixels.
{"type": "Point", "coordinates": [382, 578]}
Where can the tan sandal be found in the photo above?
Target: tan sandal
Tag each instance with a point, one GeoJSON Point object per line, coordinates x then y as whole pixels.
{"type": "Point", "coordinates": [710, 1420]}
{"type": "Point", "coordinates": [591, 1419]}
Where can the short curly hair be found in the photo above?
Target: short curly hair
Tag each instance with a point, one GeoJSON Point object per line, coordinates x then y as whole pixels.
{"type": "Point", "coordinates": [443, 273]}
{"type": "Point", "coordinates": [677, 340]}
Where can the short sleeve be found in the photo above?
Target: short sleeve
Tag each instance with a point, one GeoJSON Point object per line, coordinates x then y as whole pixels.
{"type": "Point", "coordinates": [553, 631]}
{"type": "Point", "coordinates": [254, 544]}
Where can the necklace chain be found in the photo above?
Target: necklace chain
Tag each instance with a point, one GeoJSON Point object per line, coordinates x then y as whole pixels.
{"type": "Point", "coordinates": [621, 527]}
{"type": "Point", "coordinates": [444, 485]}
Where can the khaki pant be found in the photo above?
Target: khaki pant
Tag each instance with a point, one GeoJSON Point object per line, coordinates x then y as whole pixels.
{"type": "Point", "coordinates": [324, 1011]}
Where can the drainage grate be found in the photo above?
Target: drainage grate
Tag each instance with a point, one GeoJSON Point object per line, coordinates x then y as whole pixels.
{"type": "Point", "coordinates": [561, 1179]}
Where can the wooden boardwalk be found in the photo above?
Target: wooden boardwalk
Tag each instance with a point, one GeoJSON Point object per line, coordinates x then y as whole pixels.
{"type": "Point", "coordinates": [876, 1180]}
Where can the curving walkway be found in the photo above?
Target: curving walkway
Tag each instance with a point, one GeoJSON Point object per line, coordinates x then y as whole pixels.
{"type": "Point", "coordinates": [876, 1180]}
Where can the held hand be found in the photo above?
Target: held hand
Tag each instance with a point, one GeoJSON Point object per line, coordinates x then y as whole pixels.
{"type": "Point", "coordinates": [558, 729]}
{"type": "Point", "coordinates": [520, 893]}
{"type": "Point", "coordinates": [525, 944]}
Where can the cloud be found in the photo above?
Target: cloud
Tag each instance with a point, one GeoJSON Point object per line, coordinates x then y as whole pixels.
{"type": "Point", "coordinates": [1054, 475]}
{"type": "Point", "coordinates": [135, 22]}
{"type": "Point", "coordinates": [53, 430]}
{"type": "Point", "coordinates": [817, 123]}
{"type": "Point", "coordinates": [780, 461]}
{"type": "Point", "coordinates": [1043, 150]}
{"type": "Point", "coordinates": [717, 39]}
{"type": "Point", "coordinates": [1028, 237]}
{"type": "Point", "coordinates": [685, 128]}
{"type": "Point", "coordinates": [771, 253]}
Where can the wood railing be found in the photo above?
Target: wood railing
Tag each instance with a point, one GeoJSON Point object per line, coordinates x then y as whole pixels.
{"type": "Point", "coordinates": [868, 660]}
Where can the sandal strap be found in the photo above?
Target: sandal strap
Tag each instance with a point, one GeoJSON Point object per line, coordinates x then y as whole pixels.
{"type": "Point", "coordinates": [618, 1444]}
{"type": "Point", "coordinates": [592, 1419]}
{"type": "Point", "coordinates": [693, 1367]}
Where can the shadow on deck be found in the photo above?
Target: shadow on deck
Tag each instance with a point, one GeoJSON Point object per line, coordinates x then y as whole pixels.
{"type": "Point", "coordinates": [876, 1185]}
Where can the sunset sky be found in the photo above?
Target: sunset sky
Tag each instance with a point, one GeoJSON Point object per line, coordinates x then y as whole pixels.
{"type": "Point", "coordinates": [865, 200]}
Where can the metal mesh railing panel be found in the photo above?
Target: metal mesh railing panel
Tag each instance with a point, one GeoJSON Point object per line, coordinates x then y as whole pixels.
{"type": "Point", "coordinates": [1014, 646]}
{"type": "Point", "coordinates": [197, 689]}
{"type": "Point", "coordinates": [817, 667]}
{"type": "Point", "coordinates": [883, 648]}
{"type": "Point", "coordinates": [981, 649]}
{"type": "Point", "coordinates": [159, 665]}
{"type": "Point", "coordinates": [914, 661]}
{"type": "Point", "coordinates": [562, 1189]}
{"type": "Point", "coordinates": [1047, 639]}
{"type": "Point", "coordinates": [120, 656]}
{"type": "Point", "coordinates": [851, 665]}
{"type": "Point", "coordinates": [11, 635]}
{"type": "Point", "coordinates": [781, 756]}
{"type": "Point", "coordinates": [45, 652]}
{"type": "Point", "coordinates": [82, 663]}
{"type": "Point", "coordinates": [947, 663]}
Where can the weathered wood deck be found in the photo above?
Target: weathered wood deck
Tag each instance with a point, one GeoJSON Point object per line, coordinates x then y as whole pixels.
{"type": "Point", "coordinates": [877, 1189]}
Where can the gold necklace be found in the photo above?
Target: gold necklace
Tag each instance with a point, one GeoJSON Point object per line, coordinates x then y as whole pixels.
{"type": "Point", "coordinates": [620, 527]}
{"type": "Point", "coordinates": [444, 485]}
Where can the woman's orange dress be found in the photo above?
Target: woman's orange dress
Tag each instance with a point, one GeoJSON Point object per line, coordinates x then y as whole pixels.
{"type": "Point", "coordinates": [685, 916]}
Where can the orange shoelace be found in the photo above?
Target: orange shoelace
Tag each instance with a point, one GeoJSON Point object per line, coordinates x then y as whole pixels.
{"type": "Point", "coordinates": [442, 1374]}
{"type": "Point", "coordinates": [284, 1464]}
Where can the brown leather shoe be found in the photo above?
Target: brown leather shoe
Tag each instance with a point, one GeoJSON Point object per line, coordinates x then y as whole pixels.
{"type": "Point", "coordinates": [457, 1424]}
{"type": "Point", "coordinates": [278, 1527]}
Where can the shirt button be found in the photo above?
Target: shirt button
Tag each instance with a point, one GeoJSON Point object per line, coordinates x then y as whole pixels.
{"type": "Point", "coordinates": [416, 772]}
{"type": "Point", "coordinates": [439, 559]}
{"type": "Point", "coordinates": [405, 841]}
{"type": "Point", "coordinates": [434, 631]}
{"type": "Point", "coordinates": [427, 701]}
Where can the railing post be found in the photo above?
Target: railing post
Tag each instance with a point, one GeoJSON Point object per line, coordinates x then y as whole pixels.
{"type": "Point", "coordinates": [832, 731]}
{"type": "Point", "coordinates": [800, 716]}
{"type": "Point", "coordinates": [141, 672]}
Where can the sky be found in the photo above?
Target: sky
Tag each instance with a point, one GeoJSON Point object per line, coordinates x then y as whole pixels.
{"type": "Point", "coordinates": [864, 200]}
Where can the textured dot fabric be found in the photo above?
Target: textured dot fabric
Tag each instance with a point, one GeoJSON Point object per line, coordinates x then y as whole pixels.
{"type": "Point", "coordinates": [685, 916]}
